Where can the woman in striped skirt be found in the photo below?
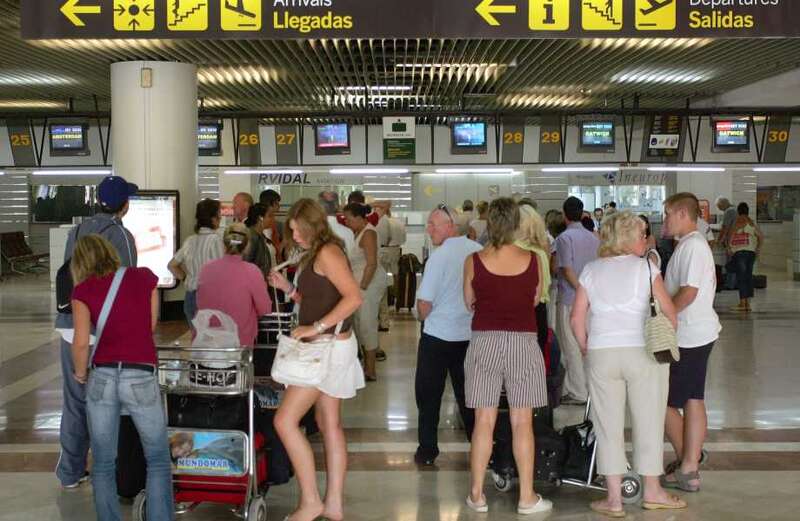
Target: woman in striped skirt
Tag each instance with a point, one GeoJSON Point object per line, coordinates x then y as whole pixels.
{"type": "Point", "coordinates": [501, 284]}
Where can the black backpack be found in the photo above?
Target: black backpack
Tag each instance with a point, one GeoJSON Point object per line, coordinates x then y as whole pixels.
{"type": "Point", "coordinates": [64, 283]}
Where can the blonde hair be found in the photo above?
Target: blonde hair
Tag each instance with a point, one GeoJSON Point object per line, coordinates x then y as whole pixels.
{"type": "Point", "coordinates": [619, 231]}
{"type": "Point", "coordinates": [531, 229]}
{"type": "Point", "coordinates": [236, 238]}
{"type": "Point", "coordinates": [503, 221]}
{"type": "Point", "coordinates": [312, 222]}
{"type": "Point", "coordinates": [93, 256]}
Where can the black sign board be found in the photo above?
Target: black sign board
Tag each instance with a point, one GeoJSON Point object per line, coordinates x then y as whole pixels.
{"type": "Point", "coordinates": [292, 19]}
{"type": "Point", "coordinates": [287, 151]}
{"type": "Point", "coordinates": [21, 140]}
{"type": "Point", "coordinates": [249, 143]}
{"type": "Point", "coordinates": [550, 140]}
{"type": "Point", "coordinates": [777, 141]}
{"type": "Point", "coordinates": [513, 140]}
{"type": "Point", "coordinates": [663, 125]}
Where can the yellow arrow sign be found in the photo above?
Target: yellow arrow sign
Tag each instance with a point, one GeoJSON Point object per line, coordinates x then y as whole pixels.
{"type": "Point", "coordinates": [487, 10]}
{"type": "Point", "coordinates": [71, 10]}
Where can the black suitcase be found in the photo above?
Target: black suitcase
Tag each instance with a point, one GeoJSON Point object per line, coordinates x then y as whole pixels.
{"type": "Point", "coordinates": [760, 281]}
{"type": "Point", "coordinates": [405, 283]}
{"type": "Point", "coordinates": [579, 440]}
{"type": "Point", "coordinates": [131, 465]}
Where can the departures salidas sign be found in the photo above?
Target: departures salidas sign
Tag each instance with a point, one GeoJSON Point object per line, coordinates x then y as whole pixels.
{"type": "Point", "coordinates": [295, 19]}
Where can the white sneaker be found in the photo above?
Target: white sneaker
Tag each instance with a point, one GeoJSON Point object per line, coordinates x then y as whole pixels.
{"type": "Point", "coordinates": [481, 508]}
{"type": "Point", "coordinates": [73, 486]}
{"type": "Point", "coordinates": [543, 505]}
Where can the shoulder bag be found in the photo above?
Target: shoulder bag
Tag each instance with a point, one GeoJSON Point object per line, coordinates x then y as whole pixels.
{"type": "Point", "coordinates": [660, 337]}
{"type": "Point", "coordinates": [304, 364]}
{"type": "Point", "coordinates": [106, 310]}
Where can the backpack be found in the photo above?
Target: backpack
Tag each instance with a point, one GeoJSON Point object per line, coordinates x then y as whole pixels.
{"type": "Point", "coordinates": [64, 282]}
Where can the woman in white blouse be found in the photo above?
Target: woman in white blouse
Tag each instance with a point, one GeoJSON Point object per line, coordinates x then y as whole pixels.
{"type": "Point", "coordinates": [614, 295]}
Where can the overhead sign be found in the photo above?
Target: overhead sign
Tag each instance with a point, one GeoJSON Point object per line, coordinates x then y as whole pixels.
{"type": "Point", "coordinates": [399, 128]}
{"type": "Point", "coordinates": [292, 19]}
{"type": "Point", "coordinates": [665, 141]}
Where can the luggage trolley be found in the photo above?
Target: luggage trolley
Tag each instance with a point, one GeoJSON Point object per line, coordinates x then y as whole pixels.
{"type": "Point", "coordinates": [552, 467]}
{"type": "Point", "coordinates": [209, 465]}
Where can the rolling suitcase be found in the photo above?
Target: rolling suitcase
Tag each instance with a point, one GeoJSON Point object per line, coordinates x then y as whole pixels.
{"type": "Point", "coordinates": [760, 281]}
{"type": "Point", "coordinates": [406, 282]}
{"type": "Point", "coordinates": [131, 466]}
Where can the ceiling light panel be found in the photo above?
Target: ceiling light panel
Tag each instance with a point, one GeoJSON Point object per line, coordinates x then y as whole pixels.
{"type": "Point", "coordinates": [32, 78]}
{"type": "Point", "coordinates": [661, 76]}
{"type": "Point", "coordinates": [32, 104]}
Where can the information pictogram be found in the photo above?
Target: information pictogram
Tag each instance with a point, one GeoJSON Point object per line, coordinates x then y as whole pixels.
{"type": "Point", "coordinates": [240, 15]}
{"type": "Point", "coordinates": [548, 15]}
{"type": "Point", "coordinates": [656, 15]}
{"type": "Point", "coordinates": [601, 15]}
{"type": "Point", "coordinates": [187, 15]}
{"type": "Point", "coordinates": [134, 15]}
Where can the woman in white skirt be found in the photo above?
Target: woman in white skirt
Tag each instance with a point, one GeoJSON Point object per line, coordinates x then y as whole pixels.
{"type": "Point", "coordinates": [328, 295]}
{"type": "Point", "coordinates": [614, 295]}
{"type": "Point", "coordinates": [371, 278]}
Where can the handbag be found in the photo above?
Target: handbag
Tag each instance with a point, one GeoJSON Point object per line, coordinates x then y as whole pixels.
{"type": "Point", "coordinates": [300, 363]}
{"type": "Point", "coordinates": [660, 337]}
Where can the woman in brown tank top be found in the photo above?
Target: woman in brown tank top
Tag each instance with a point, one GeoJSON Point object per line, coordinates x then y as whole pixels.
{"type": "Point", "coordinates": [327, 294]}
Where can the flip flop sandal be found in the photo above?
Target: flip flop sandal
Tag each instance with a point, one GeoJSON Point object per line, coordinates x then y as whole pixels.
{"type": "Point", "coordinates": [607, 512]}
{"type": "Point", "coordinates": [682, 481]}
{"type": "Point", "coordinates": [677, 505]}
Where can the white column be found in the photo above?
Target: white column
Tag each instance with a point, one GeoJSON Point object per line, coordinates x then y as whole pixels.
{"type": "Point", "coordinates": [155, 129]}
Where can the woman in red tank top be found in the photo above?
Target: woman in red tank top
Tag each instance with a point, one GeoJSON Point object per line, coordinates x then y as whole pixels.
{"type": "Point", "coordinates": [501, 285]}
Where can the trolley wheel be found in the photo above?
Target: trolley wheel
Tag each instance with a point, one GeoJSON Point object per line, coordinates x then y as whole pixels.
{"type": "Point", "coordinates": [502, 483]}
{"type": "Point", "coordinates": [257, 509]}
{"type": "Point", "coordinates": [631, 488]}
{"type": "Point", "coordinates": [140, 507]}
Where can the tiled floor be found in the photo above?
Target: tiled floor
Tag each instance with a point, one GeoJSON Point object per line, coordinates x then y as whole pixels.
{"type": "Point", "coordinates": [754, 413]}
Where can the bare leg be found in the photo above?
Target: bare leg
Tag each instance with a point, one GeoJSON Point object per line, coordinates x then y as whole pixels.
{"type": "Point", "coordinates": [694, 434]}
{"type": "Point", "coordinates": [613, 499]}
{"type": "Point", "coordinates": [369, 364]}
{"type": "Point", "coordinates": [523, 446]}
{"type": "Point", "coordinates": [296, 403]}
{"type": "Point", "coordinates": [481, 449]}
{"type": "Point", "coordinates": [674, 429]}
{"type": "Point", "coordinates": [329, 421]}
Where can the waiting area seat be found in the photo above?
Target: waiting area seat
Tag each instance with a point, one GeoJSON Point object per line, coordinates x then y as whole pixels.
{"type": "Point", "coordinates": [18, 255]}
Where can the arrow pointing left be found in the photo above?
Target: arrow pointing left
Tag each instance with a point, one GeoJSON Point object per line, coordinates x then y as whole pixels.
{"type": "Point", "coordinates": [487, 9]}
{"type": "Point", "coordinates": [71, 10]}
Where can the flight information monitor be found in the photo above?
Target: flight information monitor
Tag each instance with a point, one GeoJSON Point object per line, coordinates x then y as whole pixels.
{"type": "Point", "coordinates": [154, 220]}
{"type": "Point", "coordinates": [332, 139]}
{"type": "Point", "coordinates": [597, 134]}
{"type": "Point", "coordinates": [69, 140]}
{"type": "Point", "coordinates": [469, 135]}
{"type": "Point", "coordinates": [209, 139]}
{"type": "Point", "coordinates": [731, 136]}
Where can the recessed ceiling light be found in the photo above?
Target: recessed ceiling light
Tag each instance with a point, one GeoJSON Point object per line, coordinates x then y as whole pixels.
{"type": "Point", "coordinates": [777, 169]}
{"type": "Point", "coordinates": [361, 171]}
{"type": "Point", "coordinates": [32, 104]}
{"type": "Point", "coordinates": [685, 169]}
{"type": "Point", "coordinates": [33, 78]}
{"type": "Point", "coordinates": [581, 169]}
{"type": "Point", "coordinates": [236, 74]}
{"type": "Point", "coordinates": [71, 172]}
{"type": "Point", "coordinates": [661, 76]}
{"type": "Point", "coordinates": [474, 170]}
{"type": "Point", "coordinates": [262, 171]}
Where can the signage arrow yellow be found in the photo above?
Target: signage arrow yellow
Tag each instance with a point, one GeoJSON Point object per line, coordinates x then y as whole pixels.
{"type": "Point", "coordinates": [71, 10]}
{"type": "Point", "coordinates": [487, 10]}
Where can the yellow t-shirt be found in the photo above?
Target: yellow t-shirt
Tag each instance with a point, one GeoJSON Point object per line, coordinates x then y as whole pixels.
{"type": "Point", "coordinates": [543, 259]}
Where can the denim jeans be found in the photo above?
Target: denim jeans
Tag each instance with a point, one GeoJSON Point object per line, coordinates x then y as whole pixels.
{"type": "Point", "coordinates": [744, 261]}
{"type": "Point", "coordinates": [190, 306]}
{"type": "Point", "coordinates": [108, 390]}
{"type": "Point", "coordinates": [73, 434]}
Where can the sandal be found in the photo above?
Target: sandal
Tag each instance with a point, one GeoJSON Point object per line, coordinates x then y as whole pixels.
{"type": "Point", "coordinates": [682, 481]}
{"type": "Point", "coordinates": [675, 465]}
{"type": "Point", "coordinates": [676, 504]}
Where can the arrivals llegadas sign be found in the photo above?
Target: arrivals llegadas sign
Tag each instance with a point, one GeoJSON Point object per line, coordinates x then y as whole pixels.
{"type": "Point", "coordinates": [290, 19]}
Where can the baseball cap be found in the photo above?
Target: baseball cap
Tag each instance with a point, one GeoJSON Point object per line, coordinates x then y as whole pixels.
{"type": "Point", "coordinates": [114, 192]}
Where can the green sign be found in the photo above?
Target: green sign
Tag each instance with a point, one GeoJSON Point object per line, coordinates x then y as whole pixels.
{"type": "Point", "coordinates": [399, 150]}
{"type": "Point", "coordinates": [291, 19]}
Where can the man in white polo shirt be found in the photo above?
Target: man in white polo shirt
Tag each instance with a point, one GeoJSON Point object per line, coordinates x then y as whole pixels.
{"type": "Point", "coordinates": [446, 331]}
{"type": "Point", "coordinates": [691, 280]}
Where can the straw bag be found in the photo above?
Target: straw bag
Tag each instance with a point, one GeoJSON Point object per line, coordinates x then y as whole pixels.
{"type": "Point", "coordinates": [660, 337]}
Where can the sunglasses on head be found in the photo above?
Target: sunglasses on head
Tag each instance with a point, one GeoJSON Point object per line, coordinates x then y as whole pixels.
{"type": "Point", "coordinates": [444, 208]}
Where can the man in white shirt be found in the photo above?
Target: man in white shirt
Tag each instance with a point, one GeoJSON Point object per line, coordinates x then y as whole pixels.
{"type": "Point", "coordinates": [446, 331]}
{"type": "Point", "coordinates": [691, 280]}
{"type": "Point", "coordinates": [330, 203]}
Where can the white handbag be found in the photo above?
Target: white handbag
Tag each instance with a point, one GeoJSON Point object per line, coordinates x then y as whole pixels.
{"type": "Point", "coordinates": [304, 364]}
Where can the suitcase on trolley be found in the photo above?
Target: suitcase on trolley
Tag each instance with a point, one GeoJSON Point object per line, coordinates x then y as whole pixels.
{"type": "Point", "coordinates": [131, 466]}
